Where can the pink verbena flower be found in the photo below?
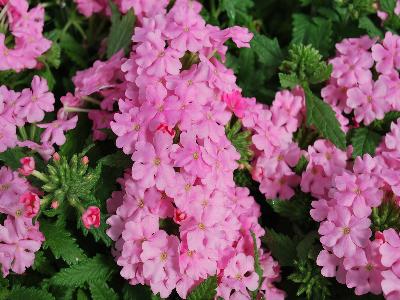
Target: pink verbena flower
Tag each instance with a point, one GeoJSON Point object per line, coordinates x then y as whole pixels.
{"type": "Point", "coordinates": [31, 203]}
{"type": "Point", "coordinates": [17, 248]}
{"type": "Point", "coordinates": [152, 162]}
{"type": "Point", "coordinates": [8, 135]}
{"type": "Point", "coordinates": [36, 101]}
{"type": "Point", "coordinates": [54, 131]}
{"type": "Point", "coordinates": [160, 262]}
{"type": "Point", "coordinates": [344, 232]}
{"type": "Point", "coordinates": [387, 54]}
{"type": "Point", "coordinates": [359, 192]}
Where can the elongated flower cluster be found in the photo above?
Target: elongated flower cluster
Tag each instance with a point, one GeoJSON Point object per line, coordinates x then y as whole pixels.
{"type": "Point", "coordinates": [22, 28]}
{"type": "Point", "coordinates": [142, 8]}
{"type": "Point", "coordinates": [365, 79]}
{"type": "Point", "coordinates": [179, 218]}
{"type": "Point", "coordinates": [19, 237]}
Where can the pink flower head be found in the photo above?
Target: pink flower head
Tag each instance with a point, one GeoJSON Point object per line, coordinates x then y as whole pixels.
{"type": "Point", "coordinates": [27, 166]}
{"type": "Point", "coordinates": [36, 101]}
{"type": "Point", "coordinates": [17, 249]}
{"type": "Point", "coordinates": [152, 162]}
{"type": "Point", "coordinates": [8, 135]}
{"type": "Point", "coordinates": [31, 204]}
{"type": "Point", "coordinates": [390, 249]}
{"type": "Point", "coordinates": [91, 217]}
{"type": "Point", "coordinates": [237, 103]}
{"type": "Point", "coordinates": [344, 232]}
{"type": "Point", "coordinates": [360, 192]}
{"type": "Point", "coordinates": [160, 262]}
{"type": "Point", "coordinates": [239, 275]}
{"type": "Point", "coordinates": [387, 54]}
{"type": "Point", "coordinates": [54, 131]}
{"type": "Point", "coordinates": [368, 101]}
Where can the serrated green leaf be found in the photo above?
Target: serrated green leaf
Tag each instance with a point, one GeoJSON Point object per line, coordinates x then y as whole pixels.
{"type": "Point", "coordinates": [61, 243]}
{"type": "Point", "coordinates": [53, 56]}
{"type": "Point", "coordinates": [24, 293]}
{"type": "Point", "coordinates": [387, 6]}
{"type": "Point", "coordinates": [73, 49]}
{"type": "Point", "coordinates": [205, 290]}
{"type": "Point", "coordinates": [282, 247]}
{"type": "Point", "coordinates": [366, 24]}
{"type": "Point", "coordinates": [101, 291]}
{"type": "Point", "coordinates": [315, 31]}
{"type": "Point", "coordinates": [305, 245]}
{"type": "Point", "coordinates": [98, 268]}
{"type": "Point", "coordinates": [268, 50]}
{"type": "Point", "coordinates": [288, 80]}
{"type": "Point", "coordinates": [321, 115]}
{"type": "Point", "coordinates": [117, 160]}
{"type": "Point", "coordinates": [232, 7]}
{"type": "Point", "coordinates": [257, 266]}
{"type": "Point", "coordinates": [11, 157]}
{"type": "Point", "coordinates": [383, 126]}
{"type": "Point", "coordinates": [364, 141]}
{"type": "Point", "coordinates": [296, 209]}
{"type": "Point", "coordinates": [121, 31]}
{"type": "Point", "coordinates": [75, 138]}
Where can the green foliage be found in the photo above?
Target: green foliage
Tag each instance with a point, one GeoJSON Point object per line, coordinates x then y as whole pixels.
{"type": "Point", "coordinates": [61, 243]}
{"type": "Point", "coordinates": [205, 290]}
{"type": "Point", "coordinates": [90, 270]}
{"type": "Point", "coordinates": [304, 66]}
{"type": "Point", "coordinates": [321, 115]}
{"type": "Point", "coordinates": [276, 242]}
{"type": "Point", "coordinates": [315, 31]}
{"type": "Point", "coordinates": [101, 291]}
{"type": "Point", "coordinates": [11, 157]}
{"type": "Point", "coordinates": [366, 24]}
{"type": "Point", "coordinates": [240, 139]}
{"type": "Point", "coordinates": [296, 209]}
{"type": "Point", "coordinates": [121, 31]}
{"type": "Point", "coordinates": [268, 51]}
{"type": "Point", "coordinates": [383, 126]}
{"type": "Point", "coordinates": [24, 293]}
{"type": "Point", "coordinates": [237, 10]}
{"type": "Point", "coordinates": [257, 266]}
{"type": "Point", "coordinates": [387, 215]}
{"type": "Point", "coordinates": [364, 141]}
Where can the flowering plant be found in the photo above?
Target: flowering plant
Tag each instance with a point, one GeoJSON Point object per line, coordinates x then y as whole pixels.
{"type": "Point", "coordinates": [199, 149]}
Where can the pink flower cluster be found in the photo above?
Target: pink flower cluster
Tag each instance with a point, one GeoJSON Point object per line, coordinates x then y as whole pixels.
{"type": "Point", "coordinates": [179, 218]}
{"type": "Point", "coordinates": [353, 87]}
{"type": "Point", "coordinates": [26, 27]}
{"type": "Point", "coordinates": [19, 237]}
{"type": "Point", "coordinates": [142, 8]}
{"type": "Point", "coordinates": [29, 106]}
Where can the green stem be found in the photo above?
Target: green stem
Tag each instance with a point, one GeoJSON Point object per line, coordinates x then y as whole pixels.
{"type": "Point", "coordinates": [23, 133]}
{"type": "Point", "coordinates": [91, 100]}
{"type": "Point", "coordinates": [32, 132]}
{"type": "Point", "coordinates": [76, 109]}
{"type": "Point", "coordinates": [40, 176]}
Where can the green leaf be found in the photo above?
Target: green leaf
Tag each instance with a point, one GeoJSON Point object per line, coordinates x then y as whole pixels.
{"type": "Point", "coordinates": [257, 266]}
{"type": "Point", "coordinates": [121, 31]}
{"type": "Point", "coordinates": [303, 248]}
{"type": "Point", "coordinates": [281, 246]}
{"type": "Point", "coordinates": [205, 290]}
{"type": "Point", "coordinates": [116, 160]}
{"type": "Point", "coordinates": [73, 49]}
{"type": "Point", "coordinates": [306, 65]}
{"type": "Point", "coordinates": [53, 56]}
{"type": "Point", "coordinates": [11, 157]}
{"type": "Point", "coordinates": [301, 165]}
{"type": "Point", "coordinates": [268, 51]}
{"type": "Point", "coordinates": [235, 7]}
{"type": "Point", "coordinates": [98, 268]}
{"type": "Point", "coordinates": [366, 24]}
{"type": "Point", "coordinates": [383, 126]}
{"type": "Point", "coordinates": [101, 291]}
{"type": "Point", "coordinates": [296, 209]}
{"type": "Point", "coordinates": [364, 141]}
{"type": "Point", "coordinates": [387, 6]}
{"type": "Point", "coordinates": [75, 138]}
{"type": "Point", "coordinates": [130, 292]}
{"type": "Point", "coordinates": [61, 243]}
{"type": "Point", "coordinates": [288, 80]}
{"type": "Point", "coordinates": [315, 31]}
{"type": "Point", "coordinates": [240, 139]}
{"type": "Point", "coordinates": [321, 115]}
{"type": "Point", "coordinates": [24, 293]}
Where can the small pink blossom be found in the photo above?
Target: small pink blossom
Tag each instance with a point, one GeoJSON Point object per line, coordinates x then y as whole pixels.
{"type": "Point", "coordinates": [91, 217]}
{"type": "Point", "coordinates": [27, 166]}
{"type": "Point", "coordinates": [31, 204]}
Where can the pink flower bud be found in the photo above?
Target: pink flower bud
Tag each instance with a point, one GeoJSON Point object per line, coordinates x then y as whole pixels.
{"type": "Point", "coordinates": [54, 204]}
{"type": "Point", "coordinates": [179, 216]}
{"type": "Point", "coordinates": [31, 204]}
{"type": "Point", "coordinates": [27, 166]}
{"type": "Point", "coordinates": [91, 217]}
{"type": "Point", "coordinates": [56, 156]}
{"type": "Point", "coordinates": [165, 129]}
{"type": "Point", "coordinates": [85, 160]}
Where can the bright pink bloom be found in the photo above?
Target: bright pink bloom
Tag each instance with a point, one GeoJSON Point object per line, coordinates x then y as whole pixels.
{"type": "Point", "coordinates": [54, 131]}
{"type": "Point", "coordinates": [237, 103]}
{"type": "Point", "coordinates": [31, 204]}
{"type": "Point", "coordinates": [8, 135]}
{"type": "Point", "coordinates": [387, 54]}
{"type": "Point", "coordinates": [91, 217]}
{"type": "Point", "coordinates": [27, 166]}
